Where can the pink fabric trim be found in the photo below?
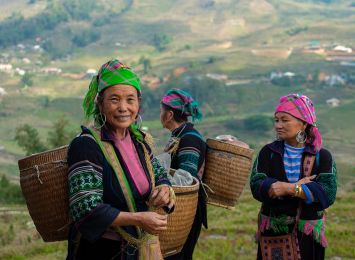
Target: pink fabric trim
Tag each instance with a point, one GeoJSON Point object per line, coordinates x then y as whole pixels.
{"type": "Point", "coordinates": [265, 224]}
{"type": "Point", "coordinates": [130, 156]}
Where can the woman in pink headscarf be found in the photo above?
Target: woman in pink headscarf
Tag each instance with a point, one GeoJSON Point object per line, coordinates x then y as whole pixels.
{"type": "Point", "coordinates": [295, 179]}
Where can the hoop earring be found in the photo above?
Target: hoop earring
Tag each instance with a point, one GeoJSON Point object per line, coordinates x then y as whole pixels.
{"type": "Point", "coordinates": [301, 137]}
{"type": "Point", "coordinates": [138, 122]}
{"type": "Point", "coordinates": [99, 118]}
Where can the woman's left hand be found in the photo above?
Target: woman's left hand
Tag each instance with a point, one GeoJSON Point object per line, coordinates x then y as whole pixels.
{"type": "Point", "coordinates": [161, 196]}
{"type": "Point", "coordinates": [279, 189]}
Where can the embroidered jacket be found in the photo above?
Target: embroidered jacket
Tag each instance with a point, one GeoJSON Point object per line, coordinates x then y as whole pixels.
{"type": "Point", "coordinates": [95, 196]}
{"type": "Point", "coordinates": [269, 168]}
{"type": "Point", "coordinates": [190, 154]}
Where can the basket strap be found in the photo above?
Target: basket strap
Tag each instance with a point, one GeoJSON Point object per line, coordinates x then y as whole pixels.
{"type": "Point", "coordinates": [112, 159]}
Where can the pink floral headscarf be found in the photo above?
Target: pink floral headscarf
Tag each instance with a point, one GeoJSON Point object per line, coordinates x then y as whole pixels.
{"type": "Point", "coordinates": [301, 107]}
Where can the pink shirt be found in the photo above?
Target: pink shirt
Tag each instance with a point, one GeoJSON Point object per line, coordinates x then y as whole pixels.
{"type": "Point", "coordinates": [131, 158]}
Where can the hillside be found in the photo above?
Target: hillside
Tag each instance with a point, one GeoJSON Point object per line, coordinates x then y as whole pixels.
{"type": "Point", "coordinates": [237, 57]}
{"type": "Point", "coordinates": [225, 52]}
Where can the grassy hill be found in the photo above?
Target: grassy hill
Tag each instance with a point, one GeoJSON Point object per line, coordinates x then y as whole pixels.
{"type": "Point", "coordinates": [243, 40]}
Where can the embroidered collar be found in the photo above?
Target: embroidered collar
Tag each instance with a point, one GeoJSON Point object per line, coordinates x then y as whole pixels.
{"type": "Point", "coordinates": [106, 134]}
{"type": "Point", "coordinates": [181, 129]}
{"type": "Point", "coordinates": [278, 147]}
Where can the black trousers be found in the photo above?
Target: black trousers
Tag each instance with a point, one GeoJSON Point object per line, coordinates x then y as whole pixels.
{"type": "Point", "coordinates": [101, 249]}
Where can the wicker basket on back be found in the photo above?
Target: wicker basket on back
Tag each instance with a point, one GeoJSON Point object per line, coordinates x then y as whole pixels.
{"type": "Point", "coordinates": [44, 183]}
{"type": "Point", "coordinates": [180, 221]}
{"type": "Point", "coordinates": [226, 172]}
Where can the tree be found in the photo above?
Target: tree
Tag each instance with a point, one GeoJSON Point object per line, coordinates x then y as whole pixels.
{"type": "Point", "coordinates": [27, 79]}
{"type": "Point", "coordinates": [258, 123]}
{"type": "Point", "coordinates": [59, 136]}
{"type": "Point", "coordinates": [10, 193]}
{"type": "Point", "coordinates": [160, 41]}
{"type": "Point", "coordinates": [27, 138]}
{"type": "Point", "coordinates": [146, 64]}
{"type": "Point", "coordinates": [85, 37]}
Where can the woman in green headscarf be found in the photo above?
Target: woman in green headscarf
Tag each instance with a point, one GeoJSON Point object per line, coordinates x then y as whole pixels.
{"type": "Point", "coordinates": [113, 174]}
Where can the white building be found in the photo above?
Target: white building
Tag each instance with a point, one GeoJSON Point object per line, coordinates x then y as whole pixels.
{"type": "Point", "coordinates": [343, 49]}
{"type": "Point", "coordinates": [26, 60]}
{"type": "Point", "coordinates": [2, 92]}
{"type": "Point", "coordinates": [19, 71]}
{"type": "Point", "coordinates": [51, 70]}
{"type": "Point", "coordinates": [215, 76]}
{"type": "Point", "coordinates": [333, 102]}
{"type": "Point", "coordinates": [91, 72]}
{"type": "Point", "coordinates": [5, 67]}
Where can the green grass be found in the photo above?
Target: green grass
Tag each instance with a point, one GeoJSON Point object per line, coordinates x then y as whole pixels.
{"type": "Point", "coordinates": [232, 238]}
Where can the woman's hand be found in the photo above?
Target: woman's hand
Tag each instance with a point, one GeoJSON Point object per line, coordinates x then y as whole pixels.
{"type": "Point", "coordinates": [152, 222]}
{"type": "Point", "coordinates": [162, 196]}
{"type": "Point", "coordinates": [306, 180]}
{"type": "Point", "coordinates": [279, 189]}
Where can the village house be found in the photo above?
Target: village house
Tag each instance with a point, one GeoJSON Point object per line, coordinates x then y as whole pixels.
{"type": "Point", "coordinates": [2, 93]}
{"type": "Point", "coordinates": [91, 72]}
{"type": "Point", "coordinates": [219, 77]}
{"type": "Point", "coordinates": [19, 71]}
{"type": "Point", "coordinates": [37, 47]}
{"type": "Point", "coordinates": [333, 102]}
{"type": "Point", "coordinates": [6, 68]}
{"type": "Point", "coordinates": [278, 75]}
{"type": "Point", "coordinates": [51, 70]}
{"type": "Point", "coordinates": [341, 48]}
{"type": "Point", "coordinates": [26, 60]}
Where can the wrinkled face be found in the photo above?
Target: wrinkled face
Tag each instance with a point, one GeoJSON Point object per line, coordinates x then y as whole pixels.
{"type": "Point", "coordinates": [287, 126]}
{"type": "Point", "coordinates": [120, 104]}
{"type": "Point", "coordinates": [165, 116]}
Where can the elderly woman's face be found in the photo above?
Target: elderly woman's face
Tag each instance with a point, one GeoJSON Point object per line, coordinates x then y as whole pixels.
{"type": "Point", "coordinates": [120, 105]}
{"type": "Point", "coordinates": [287, 126]}
{"type": "Point", "coordinates": [166, 116]}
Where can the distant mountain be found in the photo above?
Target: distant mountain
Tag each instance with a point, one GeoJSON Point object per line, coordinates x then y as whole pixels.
{"type": "Point", "coordinates": [237, 57]}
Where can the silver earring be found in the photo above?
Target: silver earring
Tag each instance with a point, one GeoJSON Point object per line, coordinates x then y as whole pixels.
{"type": "Point", "coordinates": [301, 137]}
{"type": "Point", "coordinates": [99, 118]}
{"type": "Point", "coordinates": [138, 122]}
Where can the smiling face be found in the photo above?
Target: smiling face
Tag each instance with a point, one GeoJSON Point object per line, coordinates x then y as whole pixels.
{"type": "Point", "coordinates": [120, 105]}
{"type": "Point", "coordinates": [287, 127]}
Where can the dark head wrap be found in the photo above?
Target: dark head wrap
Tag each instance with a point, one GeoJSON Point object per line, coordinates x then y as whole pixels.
{"type": "Point", "coordinates": [182, 101]}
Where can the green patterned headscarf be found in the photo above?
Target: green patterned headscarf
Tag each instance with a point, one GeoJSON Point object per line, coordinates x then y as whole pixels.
{"type": "Point", "coordinates": [111, 73]}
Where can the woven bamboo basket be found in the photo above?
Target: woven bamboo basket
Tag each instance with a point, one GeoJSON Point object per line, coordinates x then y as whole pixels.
{"type": "Point", "coordinates": [226, 172]}
{"type": "Point", "coordinates": [180, 221]}
{"type": "Point", "coordinates": [44, 184]}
